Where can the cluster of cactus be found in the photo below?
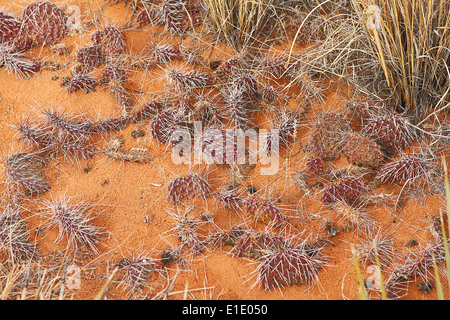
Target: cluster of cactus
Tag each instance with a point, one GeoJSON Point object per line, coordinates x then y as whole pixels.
{"type": "Point", "coordinates": [361, 150]}
{"type": "Point", "coordinates": [25, 173]}
{"type": "Point", "coordinates": [70, 136]}
{"type": "Point", "coordinates": [347, 189]}
{"type": "Point", "coordinates": [79, 81]}
{"type": "Point", "coordinates": [74, 222]}
{"type": "Point", "coordinates": [164, 124]}
{"type": "Point", "coordinates": [15, 238]}
{"type": "Point", "coordinates": [164, 52]}
{"type": "Point", "coordinates": [407, 168]}
{"type": "Point", "coordinates": [316, 166]}
{"type": "Point", "coordinates": [326, 136]}
{"type": "Point", "coordinates": [187, 231]}
{"type": "Point", "coordinates": [9, 28]}
{"type": "Point", "coordinates": [18, 63]}
{"type": "Point", "coordinates": [42, 23]}
{"type": "Point", "coordinates": [289, 266]}
{"type": "Point", "coordinates": [180, 15]}
{"type": "Point", "coordinates": [90, 57]}
{"type": "Point", "coordinates": [188, 80]}
{"type": "Point", "coordinates": [415, 266]}
{"type": "Point", "coordinates": [226, 70]}
{"type": "Point", "coordinates": [231, 93]}
{"type": "Point", "coordinates": [230, 199]}
{"type": "Point", "coordinates": [391, 132]}
{"type": "Point", "coordinates": [110, 41]}
{"type": "Point", "coordinates": [266, 211]}
{"type": "Point", "coordinates": [137, 269]}
{"type": "Point", "coordinates": [193, 185]}
{"type": "Point", "coordinates": [281, 261]}
{"type": "Point", "coordinates": [254, 245]}
{"type": "Point", "coordinates": [375, 246]}
{"type": "Point", "coordinates": [286, 130]}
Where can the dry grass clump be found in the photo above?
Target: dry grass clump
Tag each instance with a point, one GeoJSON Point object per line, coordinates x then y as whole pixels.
{"type": "Point", "coordinates": [240, 22]}
{"type": "Point", "coordinates": [281, 64]}
{"type": "Point", "coordinates": [395, 50]}
{"type": "Point", "coordinates": [411, 40]}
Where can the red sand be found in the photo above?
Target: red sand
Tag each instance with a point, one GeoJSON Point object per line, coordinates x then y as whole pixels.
{"type": "Point", "coordinates": [128, 193]}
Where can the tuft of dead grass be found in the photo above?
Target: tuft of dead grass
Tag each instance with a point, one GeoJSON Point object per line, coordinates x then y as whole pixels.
{"type": "Point", "coordinates": [410, 40]}
{"type": "Point", "coordinates": [240, 22]}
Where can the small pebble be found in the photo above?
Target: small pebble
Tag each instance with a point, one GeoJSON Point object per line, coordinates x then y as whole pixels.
{"type": "Point", "coordinates": [425, 287]}
{"type": "Point", "coordinates": [411, 243]}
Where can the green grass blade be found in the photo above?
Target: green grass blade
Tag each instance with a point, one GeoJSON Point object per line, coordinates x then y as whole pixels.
{"type": "Point", "coordinates": [446, 250]}
{"type": "Point", "coordinates": [447, 188]}
{"type": "Point", "coordinates": [105, 285]}
{"type": "Point", "coordinates": [362, 288]}
{"type": "Point", "coordinates": [382, 286]}
{"type": "Point", "coordinates": [440, 292]}
{"type": "Point", "coordinates": [444, 234]}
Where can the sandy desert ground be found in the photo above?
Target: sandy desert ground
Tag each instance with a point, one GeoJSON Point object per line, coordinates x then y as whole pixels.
{"type": "Point", "coordinates": [157, 249]}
